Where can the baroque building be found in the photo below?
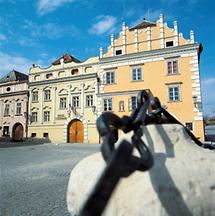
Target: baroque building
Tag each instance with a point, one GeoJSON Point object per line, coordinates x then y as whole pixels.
{"type": "Point", "coordinates": [67, 97]}
{"type": "Point", "coordinates": [14, 105]}
{"type": "Point", "coordinates": [62, 100]}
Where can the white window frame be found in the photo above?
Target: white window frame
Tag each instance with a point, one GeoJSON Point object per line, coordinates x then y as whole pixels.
{"type": "Point", "coordinates": [110, 77]}
{"type": "Point", "coordinates": [18, 108]}
{"type": "Point", "coordinates": [46, 116]}
{"type": "Point", "coordinates": [34, 117]}
{"type": "Point", "coordinates": [7, 109]}
{"type": "Point", "coordinates": [75, 101]}
{"type": "Point", "coordinates": [108, 104]}
{"type": "Point", "coordinates": [171, 71]}
{"type": "Point", "coordinates": [63, 103]}
{"type": "Point", "coordinates": [135, 76]}
{"type": "Point", "coordinates": [47, 95]}
{"type": "Point", "coordinates": [35, 96]}
{"type": "Point", "coordinates": [89, 100]}
{"type": "Point", "coordinates": [174, 99]}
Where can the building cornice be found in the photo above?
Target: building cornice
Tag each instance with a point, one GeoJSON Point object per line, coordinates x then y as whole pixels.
{"type": "Point", "coordinates": [122, 93]}
{"type": "Point", "coordinates": [63, 79]}
{"type": "Point", "coordinates": [10, 83]}
{"type": "Point", "coordinates": [152, 53]}
{"type": "Point", "coordinates": [9, 94]}
{"type": "Point", "coordinates": [49, 70]}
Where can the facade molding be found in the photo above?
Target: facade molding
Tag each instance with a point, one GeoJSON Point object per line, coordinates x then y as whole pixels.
{"type": "Point", "coordinates": [64, 79]}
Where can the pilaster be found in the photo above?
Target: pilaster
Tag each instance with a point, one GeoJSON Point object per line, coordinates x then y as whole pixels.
{"type": "Point", "coordinates": [148, 32]}
{"type": "Point", "coordinates": [161, 31]}
{"type": "Point", "coordinates": [136, 40]}
{"type": "Point", "coordinates": [175, 33]}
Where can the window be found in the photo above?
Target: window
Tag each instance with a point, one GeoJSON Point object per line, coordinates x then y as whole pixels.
{"type": "Point", "coordinates": [172, 67]}
{"type": "Point", "coordinates": [6, 131]}
{"type": "Point", "coordinates": [89, 100]}
{"type": "Point", "coordinates": [75, 101]}
{"type": "Point", "coordinates": [133, 103]}
{"type": "Point", "coordinates": [35, 96]}
{"type": "Point", "coordinates": [63, 103]}
{"type": "Point", "coordinates": [121, 106]}
{"type": "Point", "coordinates": [18, 108]}
{"type": "Point", "coordinates": [136, 74]}
{"type": "Point", "coordinates": [169, 44]}
{"type": "Point", "coordinates": [46, 116]}
{"type": "Point", "coordinates": [189, 125]}
{"type": "Point", "coordinates": [7, 110]}
{"type": "Point", "coordinates": [48, 76]}
{"type": "Point", "coordinates": [108, 104]}
{"type": "Point", "coordinates": [74, 71]}
{"type": "Point", "coordinates": [174, 93]}
{"type": "Point", "coordinates": [46, 95]}
{"type": "Point", "coordinates": [8, 89]}
{"type": "Point", "coordinates": [45, 135]}
{"type": "Point", "coordinates": [118, 52]}
{"type": "Point", "coordinates": [33, 134]}
{"type": "Point", "coordinates": [110, 77]}
{"type": "Point", "coordinates": [34, 117]}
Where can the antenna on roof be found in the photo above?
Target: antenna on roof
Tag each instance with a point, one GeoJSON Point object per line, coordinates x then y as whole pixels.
{"type": "Point", "coordinates": [148, 11]}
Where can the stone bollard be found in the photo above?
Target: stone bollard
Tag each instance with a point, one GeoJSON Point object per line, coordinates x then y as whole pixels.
{"type": "Point", "coordinates": [181, 182]}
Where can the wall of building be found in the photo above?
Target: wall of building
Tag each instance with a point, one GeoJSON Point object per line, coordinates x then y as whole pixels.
{"type": "Point", "coordinates": [17, 94]}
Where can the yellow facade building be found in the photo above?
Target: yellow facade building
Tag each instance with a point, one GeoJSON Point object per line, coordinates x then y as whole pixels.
{"type": "Point", "coordinates": [147, 56]}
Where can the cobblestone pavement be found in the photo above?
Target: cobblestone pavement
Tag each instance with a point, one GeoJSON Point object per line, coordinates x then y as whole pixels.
{"type": "Point", "coordinates": [34, 178]}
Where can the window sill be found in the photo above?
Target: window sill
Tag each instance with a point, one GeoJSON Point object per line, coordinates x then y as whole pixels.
{"type": "Point", "coordinates": [47, 100]}
{"type": "Point", "coordinates": [6, 115]}
{"type": "Point", "coordinates": [110, 83]}
{"type": "Point", "coordinates": [175, 101]}
{"type": "Point", "coordinates": [35, 101]}
{"type": "Point", "coordinates": [18, 114]}
{"type": "Point", "coordinates": [173, 74]}
{"type": "Point", "coordinates": [137, 80]}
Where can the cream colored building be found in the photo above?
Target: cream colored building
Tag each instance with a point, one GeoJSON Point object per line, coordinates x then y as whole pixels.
{"type": "Point", "coordinates": [149, 56]}
{"type": "Point", "coordinates": [62, 100]}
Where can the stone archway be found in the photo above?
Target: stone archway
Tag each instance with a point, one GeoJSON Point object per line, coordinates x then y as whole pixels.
{"type": "Point", "coordinates": [75, 131]}
{"type": "Point", "coordinates": [17, 132]}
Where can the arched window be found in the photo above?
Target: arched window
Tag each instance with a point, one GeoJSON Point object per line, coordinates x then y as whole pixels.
{"type": "Point", "coordinates": [121, 106]}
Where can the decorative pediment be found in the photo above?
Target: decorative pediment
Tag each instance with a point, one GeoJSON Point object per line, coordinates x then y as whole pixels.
{"type": "Point", "coordinates": [63, 92]}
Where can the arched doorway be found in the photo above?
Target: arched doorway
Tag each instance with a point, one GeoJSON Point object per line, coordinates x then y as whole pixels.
{"type": "Point", "coordinates": [76, 132]}
{"type": "Point", "coordinates": [18, 130]}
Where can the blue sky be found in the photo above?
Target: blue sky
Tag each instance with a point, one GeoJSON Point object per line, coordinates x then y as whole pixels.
{"type": "Point", "coordinates": [39, 31]}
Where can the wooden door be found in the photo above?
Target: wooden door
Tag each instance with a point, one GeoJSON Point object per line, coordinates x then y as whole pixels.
{"type": "Point", "coordinates": [76, 132]}
{"type": "Point", "coordinates": [18, 132]}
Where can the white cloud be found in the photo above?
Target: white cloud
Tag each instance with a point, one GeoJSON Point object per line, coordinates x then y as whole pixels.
{"type": "Point", "coordinates": [50, 30]}
{"type": "Point", "coordinates": [208, 91]}
{"type": "Point", "coordinates": [103, 25]}
{"type": "Point", "coordinates": [47, 6]}
{"type": "Point", "coordinates": [9, 62]}
{"type": "Point", "coordinates": [3, 37]}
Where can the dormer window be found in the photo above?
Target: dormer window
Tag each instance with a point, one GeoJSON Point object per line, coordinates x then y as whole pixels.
{"type": "Point", "coordinates": [74, 71]}
{"type": "Point", "coordinates": [49, 75]}
{"type": "Point", "coordinates": [169, 44]}
{"type": "Point", "coordinates": [118, 52]}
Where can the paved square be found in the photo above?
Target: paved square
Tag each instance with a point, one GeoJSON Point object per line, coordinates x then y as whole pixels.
{"type": "Point", "coordinates": [34, 178]}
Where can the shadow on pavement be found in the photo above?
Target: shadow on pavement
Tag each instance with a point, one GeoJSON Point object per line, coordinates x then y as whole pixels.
{"type": "Point", "coordinates": [8, 143]}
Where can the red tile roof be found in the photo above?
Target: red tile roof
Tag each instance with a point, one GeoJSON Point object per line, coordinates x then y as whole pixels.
{"type": "Point", "coordinates": [66, 59]}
